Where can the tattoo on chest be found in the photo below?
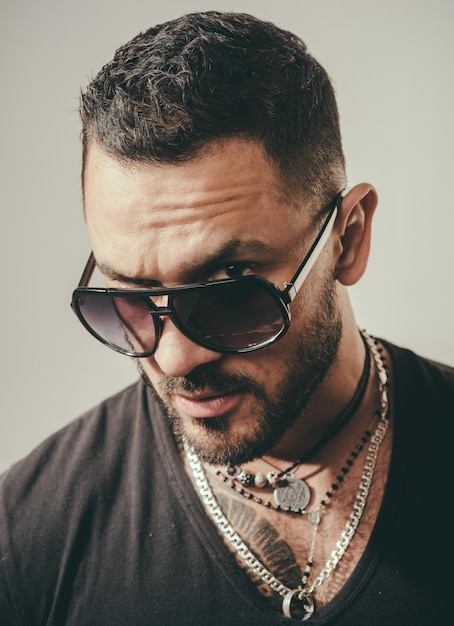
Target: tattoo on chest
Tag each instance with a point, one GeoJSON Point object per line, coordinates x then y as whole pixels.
{"type": "Point", "coordinates": [264, 540]}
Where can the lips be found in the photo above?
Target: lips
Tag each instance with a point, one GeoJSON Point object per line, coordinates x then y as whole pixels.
{"type": "Point", "coordinates": [202, 407]}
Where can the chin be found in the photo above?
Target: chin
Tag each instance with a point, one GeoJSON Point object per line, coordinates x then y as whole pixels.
{"type": "Point", "coordinates": [219, 442]}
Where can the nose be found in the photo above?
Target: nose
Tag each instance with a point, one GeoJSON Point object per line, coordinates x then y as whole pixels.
{"type": "Point", "coordinates": [176, 355]}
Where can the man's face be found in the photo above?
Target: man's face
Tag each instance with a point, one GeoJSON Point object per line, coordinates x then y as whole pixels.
{"type": "Point", "coordinates": [212, 217]}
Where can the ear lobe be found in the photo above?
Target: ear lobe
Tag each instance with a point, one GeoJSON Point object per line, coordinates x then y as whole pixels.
{"type": "Point", "coordinates": [354, 230]}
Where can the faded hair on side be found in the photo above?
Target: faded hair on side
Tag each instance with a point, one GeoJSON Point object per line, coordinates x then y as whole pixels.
{"type": "Point", "coordinates": [205, 77]}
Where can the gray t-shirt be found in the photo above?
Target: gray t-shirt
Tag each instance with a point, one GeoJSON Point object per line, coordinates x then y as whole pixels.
{"type": "Point", "coordinates": [100, 525]}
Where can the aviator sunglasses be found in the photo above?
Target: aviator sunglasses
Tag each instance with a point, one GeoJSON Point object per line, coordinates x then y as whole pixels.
{"type": "Point", "coordinates": [230, 316]}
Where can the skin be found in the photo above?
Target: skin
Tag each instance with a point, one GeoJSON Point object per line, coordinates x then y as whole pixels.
{"type": "Point", "coordinates": [165, 224]}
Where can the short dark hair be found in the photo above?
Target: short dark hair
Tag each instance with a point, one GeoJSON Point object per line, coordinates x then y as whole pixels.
{"type": "Point", "coordinates": [210, 76]}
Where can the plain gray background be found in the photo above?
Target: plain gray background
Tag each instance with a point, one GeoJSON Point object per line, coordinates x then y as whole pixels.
{"type": "Point", "coordinates": [391, 63]}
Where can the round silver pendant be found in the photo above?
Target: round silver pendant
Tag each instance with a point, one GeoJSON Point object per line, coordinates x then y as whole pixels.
{"type": "Point", "coordinates": [292, 493]}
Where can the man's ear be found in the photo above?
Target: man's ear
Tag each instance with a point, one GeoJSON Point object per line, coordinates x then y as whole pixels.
{"type": "Point", "coordinates": [354, 225]}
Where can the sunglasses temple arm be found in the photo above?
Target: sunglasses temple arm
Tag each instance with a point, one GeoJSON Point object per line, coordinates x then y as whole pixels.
{"type": "Point", "coordinates": [88, 271]}
{"type": "Point", "coordinates": [302, 272]}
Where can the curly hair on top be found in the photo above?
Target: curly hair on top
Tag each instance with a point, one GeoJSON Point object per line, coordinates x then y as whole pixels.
{"type": "Point", "coordinates": [180, 86]}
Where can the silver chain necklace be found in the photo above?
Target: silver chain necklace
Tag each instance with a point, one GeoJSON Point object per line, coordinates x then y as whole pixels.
{"type": "Point", "coordinates": [302, 596]}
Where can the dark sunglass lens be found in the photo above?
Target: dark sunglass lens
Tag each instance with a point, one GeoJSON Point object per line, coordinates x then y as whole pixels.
{"type": "Point", "coordinates": [237, 315]}
{"type": "Point", "coordinates": [123, 322]}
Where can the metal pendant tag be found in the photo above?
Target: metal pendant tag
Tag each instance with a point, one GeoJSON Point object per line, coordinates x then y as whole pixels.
{"type": "Point", "coordinates": [292, 493]}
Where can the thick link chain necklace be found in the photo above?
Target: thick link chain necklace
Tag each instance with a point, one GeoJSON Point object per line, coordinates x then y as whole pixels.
{"type": "Point", "coordinates": [300, 601]}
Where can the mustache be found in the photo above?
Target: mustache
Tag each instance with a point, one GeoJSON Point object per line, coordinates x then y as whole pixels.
{"type": "Point", "coordinates": [208, 378]}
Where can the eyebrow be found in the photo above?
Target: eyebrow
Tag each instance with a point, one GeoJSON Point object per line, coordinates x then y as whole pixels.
{"type": "Point", "coordinates": [232, 249]}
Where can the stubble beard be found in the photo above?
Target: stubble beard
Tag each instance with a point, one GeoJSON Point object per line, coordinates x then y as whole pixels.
{"type": "Point", "coordinates": [307, 364]}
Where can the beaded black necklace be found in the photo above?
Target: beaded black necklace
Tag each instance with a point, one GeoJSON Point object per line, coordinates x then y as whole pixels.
{"type": "Point", "coordinates": [328, 495]}
{"type": "Point", "coordinates": [292, 494]}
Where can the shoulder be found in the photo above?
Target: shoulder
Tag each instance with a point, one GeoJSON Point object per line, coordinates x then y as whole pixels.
{"type": "Point", "coordinates": [413, 367]}
{"type": "Point", "coordinates": [82, 435]}
{"type": "Point", "coordinates": [423, 391]}
{"type": "Point", "coordinates": [78, 482]}
{"type": "Point", "coordinates": [70, 464]}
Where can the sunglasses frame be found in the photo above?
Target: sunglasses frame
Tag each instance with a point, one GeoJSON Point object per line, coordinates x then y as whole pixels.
{"type": "Point", "coordinates": [282, 297]}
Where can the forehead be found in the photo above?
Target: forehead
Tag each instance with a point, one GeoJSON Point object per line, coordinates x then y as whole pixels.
{"type": "Point", "coordinates": [145, 219]}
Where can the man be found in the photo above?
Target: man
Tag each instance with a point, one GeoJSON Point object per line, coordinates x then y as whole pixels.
{"type": "Point", "coordinates": [273, 464]}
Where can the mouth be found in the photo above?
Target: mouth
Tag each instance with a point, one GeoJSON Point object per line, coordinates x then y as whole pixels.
{"type": "Point", "coordinates": [207, 406]}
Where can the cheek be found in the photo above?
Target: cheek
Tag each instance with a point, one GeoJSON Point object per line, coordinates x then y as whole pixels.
{"type": "Point", "coordinates": [151, 370]}
{"type": "Point", "coordinates": [314, 299]}
{"type": "Point", "coordinates": [269, 367]}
